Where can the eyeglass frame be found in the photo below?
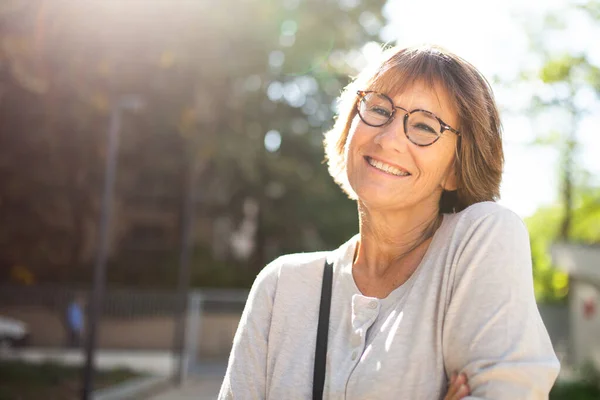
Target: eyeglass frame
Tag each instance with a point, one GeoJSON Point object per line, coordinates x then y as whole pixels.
{"type": "Point", "coordinates": [443, 126]}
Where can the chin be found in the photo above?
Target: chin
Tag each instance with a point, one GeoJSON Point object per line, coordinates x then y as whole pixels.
{"type": "Point", "coordinates": [379, 199]}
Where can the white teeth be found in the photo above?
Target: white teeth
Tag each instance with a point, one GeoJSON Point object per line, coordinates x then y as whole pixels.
{"type": "Point", "coordinates": [386, 167]}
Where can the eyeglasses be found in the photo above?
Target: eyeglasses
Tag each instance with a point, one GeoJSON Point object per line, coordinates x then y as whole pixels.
{"type": "Point", "coordinates": [421, 127]}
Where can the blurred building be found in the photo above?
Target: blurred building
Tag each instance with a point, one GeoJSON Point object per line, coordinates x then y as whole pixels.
{"type": "Point", "coordinates": [582, 262]}
{"type": "Point", "coordinates": [149, 202]}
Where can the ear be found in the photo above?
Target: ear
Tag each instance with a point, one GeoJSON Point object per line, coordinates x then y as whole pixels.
{"type": "Point", "coordinates": [450, 184]}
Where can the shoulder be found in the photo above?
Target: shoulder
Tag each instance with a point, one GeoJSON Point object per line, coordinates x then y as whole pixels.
{"type": "Point", "coordinates": [486, 230]}
{"type": "Point", "coordinates": [484, 216]}
{"type": "Point", "coordinates": [291, 264]}
{"type": "Point", "coordinates": [300, 272]}
{"type": "Point", "coordinates": [301, 260]}
{"type": "Point", "coordinates": [285, 278]}
{"type": "Point", "coordinates": [488, 245]}
{"type": "Point", "coordinates": [485, 236]}
{"type": "Point", "coordinates": [488, 209]}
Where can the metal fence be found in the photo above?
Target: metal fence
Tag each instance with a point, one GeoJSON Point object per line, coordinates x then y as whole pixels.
{"type": "Point", "coordinates": [131, 319]}
{"type": "Point", "coordinates": [125, 303]}
{"type": "Point", "coordinates": [145, 319]}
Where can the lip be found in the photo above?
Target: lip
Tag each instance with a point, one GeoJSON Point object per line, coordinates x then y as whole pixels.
{"type": "Point", "coordinates": [387, 162]}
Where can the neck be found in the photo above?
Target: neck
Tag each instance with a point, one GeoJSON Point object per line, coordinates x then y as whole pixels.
{"type": "Point", "coordinates": [393, 244]}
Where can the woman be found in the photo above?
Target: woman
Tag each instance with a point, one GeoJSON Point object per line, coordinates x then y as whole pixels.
{"type": "Point", "coordinates": [438, 281]}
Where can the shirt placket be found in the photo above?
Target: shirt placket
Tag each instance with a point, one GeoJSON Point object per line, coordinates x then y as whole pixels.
{"type": "Point", "coordinates": [365, 311]}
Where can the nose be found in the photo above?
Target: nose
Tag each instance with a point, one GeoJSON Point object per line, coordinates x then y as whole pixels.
{"type": "Point", "coordinates": [392, 135]}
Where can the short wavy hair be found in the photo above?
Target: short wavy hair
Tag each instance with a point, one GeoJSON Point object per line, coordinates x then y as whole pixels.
{"type": "Point", "coordinates": [479, 157]}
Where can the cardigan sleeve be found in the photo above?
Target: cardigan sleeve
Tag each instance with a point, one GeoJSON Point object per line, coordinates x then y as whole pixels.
{"type": "Point", "coordinates": [493, 331]}
{"type": "Point", "coordinates": [247, 367]}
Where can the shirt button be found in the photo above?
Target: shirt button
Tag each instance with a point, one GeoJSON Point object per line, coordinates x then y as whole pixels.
{"type": "Point", "coordinates": [355, 339]}
{"type": "Point", "coordinates": [354, 355]}
{"type": "Point", "coordinates": [373, 304]}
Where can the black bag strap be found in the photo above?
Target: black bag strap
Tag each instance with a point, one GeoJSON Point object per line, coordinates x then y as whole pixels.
{"type": "Point", "coordinates": [322, 333]}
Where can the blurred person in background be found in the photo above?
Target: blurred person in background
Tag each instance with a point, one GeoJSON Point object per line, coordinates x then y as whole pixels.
{"type": "Point", "coordinates": [433, 298]}
{"type": "Point", "coordinates": [75, 322]}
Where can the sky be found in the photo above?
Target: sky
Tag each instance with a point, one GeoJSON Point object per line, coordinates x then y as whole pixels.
{"type": "Point", "coordinates": [492, 35]}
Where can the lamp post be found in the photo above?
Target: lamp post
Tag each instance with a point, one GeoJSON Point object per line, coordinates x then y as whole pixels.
{"type": "Point", "coordinates": [181, 355]}
{"type": "Point", "coordinates": [183, 281]}
{"type": "Point", "coordinates": [129, 102]}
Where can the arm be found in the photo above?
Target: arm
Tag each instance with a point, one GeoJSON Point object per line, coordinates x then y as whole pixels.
{"type": "Point", "coordinates": [247, 368]}
{"type": "Point", "coordinates": [493, 331]}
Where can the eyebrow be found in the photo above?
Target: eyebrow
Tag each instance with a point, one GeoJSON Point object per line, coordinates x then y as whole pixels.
{"type": "Point", "coordinates": [437, 114]}
{"type": "Point", "coordinates": [417, 109]}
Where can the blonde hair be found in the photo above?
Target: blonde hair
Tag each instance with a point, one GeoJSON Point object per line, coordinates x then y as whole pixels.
{"type": "Point", "coordinates": [479, 157]}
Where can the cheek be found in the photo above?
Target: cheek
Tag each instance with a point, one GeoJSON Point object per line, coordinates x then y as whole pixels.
{"type": "Point", "coordinates": [436, 165]}
{"type": "Point", "coordinates": [353, 139]}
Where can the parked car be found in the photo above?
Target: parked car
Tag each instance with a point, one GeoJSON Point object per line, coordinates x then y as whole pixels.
{"type": "Point", "coordinates": [13, 333]}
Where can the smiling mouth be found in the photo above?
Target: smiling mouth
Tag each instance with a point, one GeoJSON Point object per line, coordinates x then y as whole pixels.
{"type": "Point", "coordinates": [388, 169]}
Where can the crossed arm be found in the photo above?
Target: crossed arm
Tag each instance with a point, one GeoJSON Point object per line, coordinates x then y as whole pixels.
{"type": "Point", "coordinates": [493, 331]}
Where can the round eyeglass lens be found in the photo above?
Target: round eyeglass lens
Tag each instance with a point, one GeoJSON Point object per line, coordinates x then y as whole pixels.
{"type": "Point", "coordinates": [422, 128]}
{"type": "Point", "coordinates": [375, 109]}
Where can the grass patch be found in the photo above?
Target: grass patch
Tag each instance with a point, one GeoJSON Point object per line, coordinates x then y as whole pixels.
{"type": "Point", "coordinates": [51, 381]}
{"type": "Point", "coordinates": [587, 387]}
{"type": "Point", "coordinates": [575, 391]}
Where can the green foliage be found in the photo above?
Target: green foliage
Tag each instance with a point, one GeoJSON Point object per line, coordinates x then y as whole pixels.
{"type": "Point", "coordinates": [576, 217]}
{"type": "Point", "coordinates": [592, 8]}
{"type": "Point", "coordinates": [587, 387]}
{"type": "Point", "coordinates": [566, 75]}
{"type": "Point", "coordinates": [560, 69]}
{"type": "Point", "coordinates": [586, 216]}
{"type": "Point", "coordinates": [551, 284]}
{"type": "Point", "coordinates": [25, 381]}
{"type": "Point", "coordinates": [573, 69]}
{"type": "Point", "coordinates": [575, 391]}
{"type": "Point", "coordinates": [209, 74]}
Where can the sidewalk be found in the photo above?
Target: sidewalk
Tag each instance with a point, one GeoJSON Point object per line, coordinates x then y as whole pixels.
{"type": "Point", "coordinates": [197, 388]}
{"type": "Point", "coordinates": [158, 363]}
{"type": "Point", "coordinates": [203, 384]}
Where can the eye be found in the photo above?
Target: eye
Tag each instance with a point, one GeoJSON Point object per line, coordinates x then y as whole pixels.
{"type": "Point", "coordinates": [425, 128]}
{"type": "Point", "coordinates": [423, 123]}
{"type": "Point", "coordinates": [384, 112]}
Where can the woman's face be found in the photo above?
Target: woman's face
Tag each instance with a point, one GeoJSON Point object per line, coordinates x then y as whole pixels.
{"type": "Point", "coordinates": [419, 174]}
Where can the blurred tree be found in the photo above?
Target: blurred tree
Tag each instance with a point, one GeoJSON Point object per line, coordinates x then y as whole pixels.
{"type": "Point", "coordinates": [567, 77]}
{"type": "Point", "coordinates": [45, 163]}
{"type": "Point", "coordinates": [544, 227]}
{"type": "Point", "coordinates": [570, 87]}
{"type": "Point", "coordinates": [237, 97]}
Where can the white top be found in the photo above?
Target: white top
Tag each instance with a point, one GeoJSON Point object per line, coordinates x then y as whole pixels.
{"type": "Point", "coordinates": [469, 307]}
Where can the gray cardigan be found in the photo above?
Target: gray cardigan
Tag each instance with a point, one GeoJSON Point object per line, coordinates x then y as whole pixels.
{"type": "Point", "coordinates": [469, 307]}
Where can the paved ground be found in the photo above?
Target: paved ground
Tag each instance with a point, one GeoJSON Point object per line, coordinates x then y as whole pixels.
{"type": "Point", "coordinates": [203, 384]}
{"type": "Point", "coordinates": [158, 363]}
{"type": "Point", "coordinates": [199, 388]}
